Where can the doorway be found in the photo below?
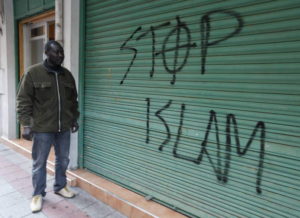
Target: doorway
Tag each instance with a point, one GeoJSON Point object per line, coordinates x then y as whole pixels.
{"type": "Point", "coordinates": [35, 37]}
{"type": "Point", "coordinates": [34, 32]}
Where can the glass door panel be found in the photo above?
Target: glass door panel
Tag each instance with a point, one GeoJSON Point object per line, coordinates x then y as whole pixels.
{"type": "Point", "coordinates": [37, 48]}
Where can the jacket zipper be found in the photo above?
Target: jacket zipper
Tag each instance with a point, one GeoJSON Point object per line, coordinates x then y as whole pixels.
{"type": "Point", "coordinates": [59, 104]}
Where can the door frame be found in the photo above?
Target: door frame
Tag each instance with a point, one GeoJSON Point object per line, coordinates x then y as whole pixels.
{"type": "Point", "coordinates": [38, 18]}
{"type": "Point", "coordinates": [19, 28]}
{"type": "Point", "coordinates": [27, 27]}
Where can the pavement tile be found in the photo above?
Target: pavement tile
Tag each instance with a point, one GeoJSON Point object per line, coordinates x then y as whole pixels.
{"type": "Point", "coordinates": [2, 181]}
{"type": "Point", "coordinates": [26, 191]}
{"type": "Point", "coordinates": [20, 209]}
{"type": "Point", "coordinates": [27, 166]}
{"type": "Point", "coordinates": [99, 210]}
{"type": "Point", "coordinates": [6, 188]}
{"type": "Point", "coordinates": [4, 153]}
{"type": "Point", "coordinates": [51, 199]}
{"type": "Point", "coordinates": [50, 183]}
{"type": "Point", "coordinates": [78, 215]}
{"type": "Point", "coordinates": [17, 159]}
{"type": "Point", "coordinates": [82, 199]}
{"type": "Point", "coordinates": [2, 161]}
{"type": "Point", "coordinates": [2, 147]}
{"type": "Point", "coordinates": [7, 152]}
{"type": "Point", "coordinates": [16, 192]}
{"type": "Point", "coordinates": [116, 215]}
{"type": "Point", "coordinates": [5, 164]}
{"type": "Point", "coordinates": [8, 170]}
{"type": "Point", "coordinates": [2, 158]}
{"type": "Point", "coordinates": [11, 199]}
{"type": "Point", "coordinates": [37, 215]}
{"type": "Point", "coordinates": [21, 183]}
{"type": "Point", "coordinates": [63, 209]}
{"type": "Point", "coordinates": [16, 175]}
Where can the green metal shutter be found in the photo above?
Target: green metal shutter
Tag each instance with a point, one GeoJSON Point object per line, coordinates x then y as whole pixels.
{"type": "Point", "coordinates": [215, 130]}
{"type": "Point", "coordinates": [26, 8]}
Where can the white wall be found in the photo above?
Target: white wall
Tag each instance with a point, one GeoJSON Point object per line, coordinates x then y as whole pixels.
{"type": "Point", "coordinates": [1, 76]}
{"type": "Point", "coordinates": [7, 62]}
{"type": "Point", "coordinates": [71, 20]}
{"type": "Point", "coordinates": [1, 82]}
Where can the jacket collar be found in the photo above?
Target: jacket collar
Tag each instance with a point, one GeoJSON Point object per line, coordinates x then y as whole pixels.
{"type": "Point", "coordinates": [59, 69]}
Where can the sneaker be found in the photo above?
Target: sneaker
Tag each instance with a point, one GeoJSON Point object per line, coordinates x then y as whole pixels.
{"type": "Point", "coordinates": [66, 192]}
{"type": "Point", "coordinates": [36, 203]}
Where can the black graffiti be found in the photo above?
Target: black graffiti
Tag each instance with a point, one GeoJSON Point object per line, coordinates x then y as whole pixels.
{"type": "Point", "coordinates": [179, 132]}
{"type": "Point", "coordinates": [221, 168]}
{"type": "Point", "coordinates": [179, 29]}
{"type": "Point", "coordinates": [123, 47]}
{"type": "Point", "coordinates": [148, 120]}
{"type": "Point", "coordinates": [152, 30]}
{"type": "Point", "coordinates": [181, 26]}
{"type": "Point", "coordinates": [165, 123]}
{"type": "Point", "coordinates": [205, 33]}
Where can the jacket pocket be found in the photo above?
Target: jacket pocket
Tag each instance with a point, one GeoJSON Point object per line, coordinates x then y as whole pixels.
{"type": "Point", "coordinates": [43, 90]}
{"type": "Point", "coordinates": [69, 87]}
{"type": "Point", "coordinates": [42, 85]}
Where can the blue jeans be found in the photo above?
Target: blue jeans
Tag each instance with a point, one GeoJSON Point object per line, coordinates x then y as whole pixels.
{"type": "Point", "coordinates": [40, 151]}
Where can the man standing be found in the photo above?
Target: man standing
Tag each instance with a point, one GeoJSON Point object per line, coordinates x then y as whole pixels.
{"type": "Point", "coordinates": [47, 108]}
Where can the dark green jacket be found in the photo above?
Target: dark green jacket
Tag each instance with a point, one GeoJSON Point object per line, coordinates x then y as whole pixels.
{"type": "Point", "coordinates": [47, 100]}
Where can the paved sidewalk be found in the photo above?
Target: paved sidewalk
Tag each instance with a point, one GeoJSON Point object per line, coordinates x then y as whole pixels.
{"type": "Point", "coordinates": [16, 190]}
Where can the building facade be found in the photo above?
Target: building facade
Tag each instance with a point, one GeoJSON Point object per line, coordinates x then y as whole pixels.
{"type": "Point", "coordinates": [192, 104]}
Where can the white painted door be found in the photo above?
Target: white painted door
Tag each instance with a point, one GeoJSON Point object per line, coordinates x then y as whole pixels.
{"type": "Point", "coordinates": [35, 37]}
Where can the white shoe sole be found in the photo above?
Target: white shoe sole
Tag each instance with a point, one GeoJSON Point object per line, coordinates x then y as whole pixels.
{"type": "Point", "coordinates": [64, 195]}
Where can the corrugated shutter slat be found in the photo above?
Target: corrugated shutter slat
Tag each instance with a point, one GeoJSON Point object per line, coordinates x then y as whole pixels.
{"type": "Point", "coordinates": [249, 93]}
